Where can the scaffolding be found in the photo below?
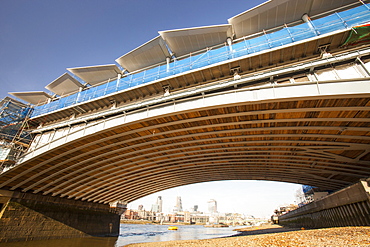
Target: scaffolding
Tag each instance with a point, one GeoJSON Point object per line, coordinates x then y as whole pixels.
{"type": "Point", "coordinates": [14, 134]}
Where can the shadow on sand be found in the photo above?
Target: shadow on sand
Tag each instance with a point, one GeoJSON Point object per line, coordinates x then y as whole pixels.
{"type": "Point", "coordinates": [263, 230]}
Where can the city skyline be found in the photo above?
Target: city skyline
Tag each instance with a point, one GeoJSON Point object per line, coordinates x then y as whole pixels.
{"type": "Point", "coordinates": [256, 198]}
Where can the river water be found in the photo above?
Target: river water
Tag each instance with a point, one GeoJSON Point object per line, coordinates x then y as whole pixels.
{"type": "Point", "coordinates": [131, 233]}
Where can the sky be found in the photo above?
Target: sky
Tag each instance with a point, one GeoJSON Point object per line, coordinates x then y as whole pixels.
{"type": "Point", "coordinates": [39, 39]}
{"type": "Point", "coordinates": [250, 197]}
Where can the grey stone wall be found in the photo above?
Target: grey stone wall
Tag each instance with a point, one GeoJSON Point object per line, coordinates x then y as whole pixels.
{"type": "Point", "coordinates": [29, 217]}
{"type": "Point", "coordinates": [347, 207]}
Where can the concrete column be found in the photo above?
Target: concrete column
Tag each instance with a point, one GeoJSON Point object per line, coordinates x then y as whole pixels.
{"type": "Point", "coordinates": [168, 60]}
{"type": "Point", "coordinates": [229, 42]}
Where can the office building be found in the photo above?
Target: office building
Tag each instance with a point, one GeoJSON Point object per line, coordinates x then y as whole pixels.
{"type": "Point", "coordinates": [212, 206]}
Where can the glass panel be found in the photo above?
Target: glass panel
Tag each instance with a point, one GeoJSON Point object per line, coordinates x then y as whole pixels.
{"type": "Point", "coordinates": [279, 38]}
{"type": "Point", "coordinates": [70, 100]}
{"type": "Point", "coordinates": [356, 16]}
{"type": "Point", "coordinates": [111, 87]}
{"type": "Point", "coordinates": [301, 32]}
{"type": "Point", "coordinates": [259, 44]}
{"type": "Point", "coordinates": [328, 24]}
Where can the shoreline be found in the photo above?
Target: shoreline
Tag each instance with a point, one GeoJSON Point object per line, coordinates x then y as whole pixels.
{"type": "Point", "coordinates": [145, 222]}
{"type": "Point", "coordinates": [275, 235]}
{"type": "Point", "coordinates": [263, 229]}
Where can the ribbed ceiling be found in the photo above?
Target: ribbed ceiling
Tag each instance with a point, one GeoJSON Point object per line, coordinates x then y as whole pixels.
{"type": "Point", "coordinates": [322, 141]}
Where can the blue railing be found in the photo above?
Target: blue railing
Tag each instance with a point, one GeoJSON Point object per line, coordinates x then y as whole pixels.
{"type": "Point", "coordinates": [287, 35]}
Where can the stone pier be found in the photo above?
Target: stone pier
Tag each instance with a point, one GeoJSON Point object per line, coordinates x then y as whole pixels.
{"type": "Point", "coordinates": [27, 216]}
{"type": "Point", "coordinates": [347, 207]}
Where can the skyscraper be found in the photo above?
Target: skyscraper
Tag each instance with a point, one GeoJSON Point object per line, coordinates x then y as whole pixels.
{"type": "Point", "coordinates": [212, 206]}
{"type": "Point", "coordinates": [157, 207]}
{"type": "Point", "coordinates": [178, 206]}
{"type": "Point", "coordinates": [159, 203]}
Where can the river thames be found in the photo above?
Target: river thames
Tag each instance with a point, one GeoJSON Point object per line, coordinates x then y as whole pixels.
{"type": "Point", "coordinates": [132, 233]}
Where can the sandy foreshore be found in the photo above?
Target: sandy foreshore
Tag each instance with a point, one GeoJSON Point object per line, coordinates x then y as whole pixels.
{"type": "Point", "coordinates": [280, 236]}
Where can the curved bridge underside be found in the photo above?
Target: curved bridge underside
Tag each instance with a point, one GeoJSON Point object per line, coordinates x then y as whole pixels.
{"type": "Point", "coordinates": [321, 141]}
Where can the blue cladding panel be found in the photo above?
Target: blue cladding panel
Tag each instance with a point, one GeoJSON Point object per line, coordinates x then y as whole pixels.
{"type": "Point", "coordinates": [111, 87]}
{"type": "Point", "coordinates": [162, 71]}
{"type": "Point", "coordinates": [89, 94]}
{"type": "Point", "coordinates": [219, 55]}
{"type": "Point", "coordinates": [279, 38]}
{"type": "Point", "coordinates": [70, 100]}
{"type": "Point", "coordinates": [181, 65]}
{"type": "Point", "coordinates": [240, 45]}
{"type": "Point", "coordinates": [137, 79]}
{"type": "Point", "coordinates": [195, 61]}
{"type": "Point", "coordinates": [99, 91]}
{"type": "Point", "coordinates": [357, 16]}
{"type": "Point", "coordinates": [81, 97]}
{"type": "Point", "coordinates": [301, 32]}
{"type": "Point", "coordinates": [124, 83]}
{"type": "Point", "coordinates": [329, 24]}
{"type": "Point", "coordinates": [151, 75]}
{"type": "Point", "coordinates": [259, 44]}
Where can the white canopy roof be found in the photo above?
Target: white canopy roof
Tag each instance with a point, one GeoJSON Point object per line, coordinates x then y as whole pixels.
{"type": "Point", "coordinates": [35, 98]}
{"type": "Point", "coordinates": [184, 41]}
{"type": "Point", "coordinates": [65, 84]}
{"type": "Point", "coordinates": [150, 53]}
{"type": "Point", "coordinates": [274, 13]}
{"type": "Point", "coordinates": [96, 74]}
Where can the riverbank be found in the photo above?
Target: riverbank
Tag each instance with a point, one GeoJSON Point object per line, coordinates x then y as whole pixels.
{"type": "Point", "coordinates": [146, 222]}
{"type": "Point", "coordinates": [279, 236]}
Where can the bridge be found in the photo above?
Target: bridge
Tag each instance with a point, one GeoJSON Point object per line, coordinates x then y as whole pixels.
{"type": "Point", "coordinates": [294, 112]}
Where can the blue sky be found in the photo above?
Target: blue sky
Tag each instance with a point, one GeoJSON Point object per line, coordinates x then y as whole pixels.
{"type": "Point", "coordinates": [39, 39]}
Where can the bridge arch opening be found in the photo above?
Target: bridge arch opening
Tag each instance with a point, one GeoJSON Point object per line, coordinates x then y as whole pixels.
{"type": "Point", "coordinates": [248, 197]}
{"type": "Point", "coordinates": [320, 141]}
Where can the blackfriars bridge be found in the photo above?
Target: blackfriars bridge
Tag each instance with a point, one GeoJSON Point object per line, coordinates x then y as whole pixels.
{"type": "Point", "coordinates": [296, 113]}
{"type": "Point", "coordinates": [312, 139]}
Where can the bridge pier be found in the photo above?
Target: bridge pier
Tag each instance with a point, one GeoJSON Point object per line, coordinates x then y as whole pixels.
{"type": "Point", "coordinates": [27, 216]}
{"type": "Point", "coordinates": [347, 207]}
